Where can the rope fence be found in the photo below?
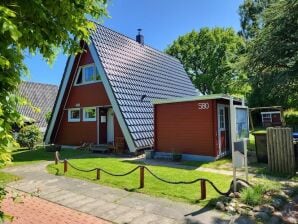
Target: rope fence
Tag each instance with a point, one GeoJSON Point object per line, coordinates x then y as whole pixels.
{"type": "Point", "coordinates": [202, 181]}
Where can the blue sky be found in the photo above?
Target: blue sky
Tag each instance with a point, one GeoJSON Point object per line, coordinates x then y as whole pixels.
{"type": "Point", "coordinates": [162, 22]}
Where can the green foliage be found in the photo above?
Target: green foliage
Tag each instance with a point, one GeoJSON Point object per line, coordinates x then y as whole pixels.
{"type": "Point", "coordinates": [210, 57]}
{"type": "Point", "coordinates": [48, 116]}
{"type": "Point", "coordinates": [291, 117]}
{"type": "Point", "coordinates": [272, 57]}
{"type": "Point", "coordinates": [254, 195]}
{"type": "Point", "coordinates": [251, 16]}
{"type": "Point", "coordinates": [29, 136]}
{"type": "Point", "coordinates": [36, 26]}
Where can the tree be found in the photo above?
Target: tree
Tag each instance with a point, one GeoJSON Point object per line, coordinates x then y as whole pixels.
{"type": "Point", "coordinates": [36, 26]}
{"type": "Point", "coordinates": [209, 58]}
{"type": "Point", "coordinates": [251, 16]}
{"type": "Point", "coordinates": [273, 56]}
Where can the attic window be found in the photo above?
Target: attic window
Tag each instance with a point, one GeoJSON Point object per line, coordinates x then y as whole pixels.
{"type": "Point", "coordinates": [87, 74]}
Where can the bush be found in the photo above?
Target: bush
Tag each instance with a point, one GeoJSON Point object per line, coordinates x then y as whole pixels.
{"type": "Point", "coordinates": [291, 117]}
{"type": "Point", "coordinates": [48, 116]}
{"type": "Point", "coordinates": [29, 136]}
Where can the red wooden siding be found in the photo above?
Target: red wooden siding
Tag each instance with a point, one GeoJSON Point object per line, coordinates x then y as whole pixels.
{"type": "Point", "coordinates": [117, 130]}
{"type": "Point", "coordinates": [182, 127]}
{"type": "Point", "coordinates": [88, 95]}
{"type": "Point", "coordinates": [76, 133]}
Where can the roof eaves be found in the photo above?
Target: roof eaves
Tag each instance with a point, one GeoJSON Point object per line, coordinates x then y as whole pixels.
{"type": "Point", "coordinates": [194, 98]}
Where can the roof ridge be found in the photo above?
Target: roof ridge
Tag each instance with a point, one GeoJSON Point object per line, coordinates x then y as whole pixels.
{"type": "Point", "coordinates": [146, 45]}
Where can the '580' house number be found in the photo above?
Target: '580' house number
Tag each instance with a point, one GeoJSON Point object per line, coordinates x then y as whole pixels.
{"type": "Point", "coordinates": [203, 106]}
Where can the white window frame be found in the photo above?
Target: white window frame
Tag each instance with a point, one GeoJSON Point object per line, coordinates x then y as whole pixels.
{"type": "Point", "coordinates": [70, 119]}
{"type": "Point", "coordinates": [83, 75]}
{"type": "Point", "coordinates": [269, 115]}
{"type": "Point", "coordinates": [87, 118]}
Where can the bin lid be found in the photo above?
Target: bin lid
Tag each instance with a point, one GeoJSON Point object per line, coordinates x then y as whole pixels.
{"type": "Point", "coordinates": [295, 134]}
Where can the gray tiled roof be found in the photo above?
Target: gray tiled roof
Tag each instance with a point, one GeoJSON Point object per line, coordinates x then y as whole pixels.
{"type": "Point", "coordinates": [39, 95]}
{"type": "Point", "coordinates": [134, 70]}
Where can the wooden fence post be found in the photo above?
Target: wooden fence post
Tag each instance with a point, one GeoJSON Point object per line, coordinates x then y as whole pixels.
{"type": "Point", "coordinates": [141, 177]}
{"type": "Point", "coordinates": [203, 189]}
{"type": "Point", "coordinates": [65, 166]}
{"type": "Point", "coordinates": [97, 174]}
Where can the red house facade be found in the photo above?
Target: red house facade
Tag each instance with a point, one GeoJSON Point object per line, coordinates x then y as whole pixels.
{"type": "Point", "coordinates": [75, 126]}
{"type": "Point", "coordinates": [106, 92]}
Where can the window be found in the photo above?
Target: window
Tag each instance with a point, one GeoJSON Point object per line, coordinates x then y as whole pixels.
{"type": "Point", "coordinates": [89, 114]}
{"type": "Point", "coordinates": [87, 74]}
{"type": "Point", "coordinates": [221, 118]}
{"type": "Point", "coordinates": [74, 115]}
{"type": "Point", "coordinates": [266, 117]}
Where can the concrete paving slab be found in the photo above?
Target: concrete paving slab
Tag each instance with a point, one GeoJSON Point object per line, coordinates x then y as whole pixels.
{"type": "Point", "coordinates": [128, 216]}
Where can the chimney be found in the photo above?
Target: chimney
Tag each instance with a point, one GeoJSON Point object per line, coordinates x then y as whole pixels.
{"type": "Point", "coordinates": [140, 37]}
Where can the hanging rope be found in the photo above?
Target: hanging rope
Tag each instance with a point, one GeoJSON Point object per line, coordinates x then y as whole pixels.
{"type": "Point", "coordinates": [157, 177]}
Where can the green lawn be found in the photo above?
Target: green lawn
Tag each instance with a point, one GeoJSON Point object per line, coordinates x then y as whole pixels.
{"type": "Point", "coordinates": [189, 193]}
{"type": "Point", "coordinates": [7, 177]}
{"type": "Point", "coordinates": [23, 157]}
{"type": "Point", "coordinates": [223, 163]}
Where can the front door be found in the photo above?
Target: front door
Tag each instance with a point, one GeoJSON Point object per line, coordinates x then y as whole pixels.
{"type": "Point", "coordinates": [222, 129]}
{"type": "Point", "coordinates": [110, 126]}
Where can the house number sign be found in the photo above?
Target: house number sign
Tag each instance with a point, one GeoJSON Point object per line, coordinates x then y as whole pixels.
{"type": "Point", "coordinates": [203, 106]}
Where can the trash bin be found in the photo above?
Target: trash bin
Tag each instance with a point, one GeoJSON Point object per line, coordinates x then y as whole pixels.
{"type": "Point", "coordinates": [261, 147]}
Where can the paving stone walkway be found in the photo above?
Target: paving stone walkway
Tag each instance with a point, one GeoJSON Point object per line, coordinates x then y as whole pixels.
{"type": "Point", "coordinates": [28, 209]}
{"type": "Point", "coordinates": [115, 205]}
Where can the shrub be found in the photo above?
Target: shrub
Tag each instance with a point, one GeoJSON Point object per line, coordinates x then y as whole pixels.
{"type": "Point", "coordinates": [48, 116]}
{"type": "Point", "coordinates": [29, 136]}
{"type": "Point", "coordinates": [291, 117]}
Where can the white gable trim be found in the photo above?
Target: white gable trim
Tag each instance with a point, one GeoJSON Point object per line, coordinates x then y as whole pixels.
{"type": "Point", "coordinates": [59, 99]}
{"type": "Point", "coordinates": [106, 83]}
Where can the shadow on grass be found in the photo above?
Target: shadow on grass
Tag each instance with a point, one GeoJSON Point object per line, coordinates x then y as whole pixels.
{"type": "Point", "coordinates": [162, 163]}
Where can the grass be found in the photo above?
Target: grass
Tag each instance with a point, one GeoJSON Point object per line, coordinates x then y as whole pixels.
{"type": "Point", "coordinates": [189, 193]}
{"type": "Point", "coordinates": [23, 157]}
{"type": "Point", "coordinates": [7, 177]}
{"type": "Point", "coordinates": [221, 163]}
{"type": "Point", "coordinates": [255, 195]}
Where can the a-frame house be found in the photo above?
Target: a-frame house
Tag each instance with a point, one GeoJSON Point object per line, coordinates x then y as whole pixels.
{"type": "Point", "coordinates": [106, 92]}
